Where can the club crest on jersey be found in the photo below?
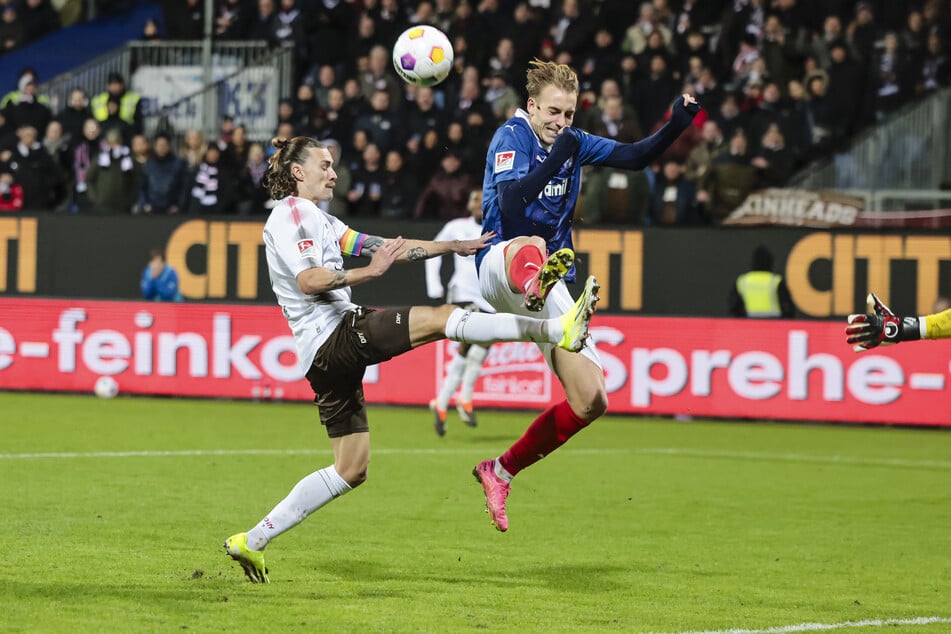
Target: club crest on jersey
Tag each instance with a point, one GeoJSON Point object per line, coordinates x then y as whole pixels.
{"type": "Point", "coordinates": [504, 161]}
{"type": "Point", "coordinates": [306, 248]}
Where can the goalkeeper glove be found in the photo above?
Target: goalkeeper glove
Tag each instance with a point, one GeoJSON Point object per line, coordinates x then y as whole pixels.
{"type": "Point", "coordinates": [880, 326]}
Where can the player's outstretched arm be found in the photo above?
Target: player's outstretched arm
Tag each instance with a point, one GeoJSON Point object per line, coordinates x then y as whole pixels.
{"type": "Point", "coordinates": [880, 326]}
{"type": "Point", "coordinates": [637, 156]}
{"type": "Point", "coordinates": [320, 279]}
{"type": "Point", "coordinates": [415, 250]}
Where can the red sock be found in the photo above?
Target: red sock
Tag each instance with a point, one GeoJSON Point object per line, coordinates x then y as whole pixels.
{"type": "Point", "coordinates": [548, 432]}
{"type": "Point", "coordinates": [525, 264]}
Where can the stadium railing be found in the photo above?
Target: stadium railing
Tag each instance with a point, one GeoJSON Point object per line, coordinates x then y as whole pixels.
{"type": "Point", "coordinates": [235, 65]}
{"type": "Point", "coordinates": [909, 150]}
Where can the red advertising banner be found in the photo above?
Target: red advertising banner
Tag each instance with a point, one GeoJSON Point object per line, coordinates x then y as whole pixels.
{"type": "Point", "coordinates": [783, 370]}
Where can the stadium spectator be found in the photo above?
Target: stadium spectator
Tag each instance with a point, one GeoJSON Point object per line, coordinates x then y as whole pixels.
{"type": "Point", "coordinates": [159, 280]}
{"type": "Point", "coordinates": [141, 149]}
{"type": "Point", "coordinates": [235, 151]}
{"type": "Point", "coordinates": [862, 33]}
{"type": "Point", "coordinates": [193, 148]}
{"type": "Point", "coordinates": [11, 193]}
{"type": "Point", "coordinates": [935, 67]}
{"type": "Point", "coordinates": [380, 77]}
{"type": "Point", "coordinates": [8, 137]}
{"type": "Point", "coordinates": [891, 72]}
{"type": "Point", "coordinates": [329, 27]}
{"type": "Point", "coordinates": [39, 18]}
{"type": "Point", "coordinates": [635, 38]}
{"type": "Point", "coordinates": [232, 20]}
{"type": "Point", "coordinates": [447, 193]}
{"type": "Point", "coordinates": [213, 187]}
{"type": "Point", "coordinates": [289, 29]}
{"type": "Point", "coordinates": [12, 29]}
{"type": "Point", "coordinates": [674, 200]}
{"type": "Point", "coordinates": [654, 93]}
{"type": "Point", "coordinates": [150, 31]}
{"type": "Point", "coordinates": [772, 158]}
{"type": "Point", "coordinates": [74, 115]}
{"type": "Point", "coordinates": [366, 190]}
{"type": "Point", "coordinates": [760, 293]}
{"type": "Point", "coordinates": [129, 106]}
{"type": "Point", "coordinates": [334, 121]}
{"type": "Point", "coordinates": [85, 152]}
{"type": "Point", "coordinates": [398, 196]}
{"type": "Point", "coordinates": [25, 107]}
{"type": "Point", "coordinates": [339, 206]}
{"type": "Point", "coordinates": [114, 121]}
{"type": "Point", "coordinates": [58, 147]}
{"type": "Point", "coordinates": [381, 124]}
{"type": "Point", "coordinates": [729, 180]}
{"type": "Point", "coordinates": [821, 44]}
{"type": "Point", "coordinates": [113, 178]}
{"type": "Point", "coordinates": [35, 171]}
{"type": "Point", "coordinates": [501, 97]}
{"type": "Point", "coordinates": [13, 97]}
{"type": "Point", "coordinates": [256, 166]}
{"type": "Point", "coordinates": [422, 115]}
{"type": "Point", "coordinates": [712, 143]}
{"type": "Point", "coordinates": [162, 179]}
{"type": "Point", "coordinates": [321, 83]}
{"type": "Point", "coordinates": [261, 25]}
{"type": "Point", "coordinates": [184, 19]}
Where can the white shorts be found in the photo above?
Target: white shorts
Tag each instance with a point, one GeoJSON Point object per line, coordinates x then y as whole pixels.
{"type": "Point", "coordinates": [495, 288]}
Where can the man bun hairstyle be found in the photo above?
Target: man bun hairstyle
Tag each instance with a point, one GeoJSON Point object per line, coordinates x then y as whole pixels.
{"type": "Point", "coordinates": [277, 179]}
{"type": "Point", "coordinates": [541, 74]}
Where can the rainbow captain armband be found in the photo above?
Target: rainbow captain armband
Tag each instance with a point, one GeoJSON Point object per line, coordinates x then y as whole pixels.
{"type": "Point", "coordinates": [351, 242]}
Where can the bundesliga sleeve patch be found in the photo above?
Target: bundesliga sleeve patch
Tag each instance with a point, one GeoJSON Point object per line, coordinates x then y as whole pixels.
{"type": "Point", "coordinates": [504, 161]}
{"type": "Point", "coordinates": [306, 248]}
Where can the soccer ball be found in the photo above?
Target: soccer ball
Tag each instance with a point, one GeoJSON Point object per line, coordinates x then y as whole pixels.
{"type": "Point", "coordinates": [106, 387]}
{"type": "Point", "coordinates": [422, 55]}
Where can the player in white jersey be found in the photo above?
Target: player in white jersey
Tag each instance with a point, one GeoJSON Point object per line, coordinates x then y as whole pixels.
{"type": "Point", "coordinates": [337, 339]}
{"type": "Point", "coordinates": [463, 291]}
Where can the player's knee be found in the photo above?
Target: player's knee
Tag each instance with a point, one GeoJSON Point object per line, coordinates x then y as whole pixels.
{"type": "Point", "coordinates": [591, 405]}
{"type": "Point", "coordinates": [354, 475]}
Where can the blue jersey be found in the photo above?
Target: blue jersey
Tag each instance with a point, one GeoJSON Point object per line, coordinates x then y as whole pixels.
{"type": "Point", "coordinates": [515, 151]}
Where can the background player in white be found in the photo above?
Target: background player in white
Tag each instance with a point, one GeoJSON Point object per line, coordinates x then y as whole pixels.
{"type": "Point", "coordinates": [336, 339]}
{"type": "Point", "coordinates": [530, 189]}
{"type": "Point", "coordinates": [463, 291]}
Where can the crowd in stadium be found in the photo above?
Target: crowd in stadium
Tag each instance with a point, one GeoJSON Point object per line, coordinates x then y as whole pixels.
{"type": "Point", "coordinates": [781, 82]}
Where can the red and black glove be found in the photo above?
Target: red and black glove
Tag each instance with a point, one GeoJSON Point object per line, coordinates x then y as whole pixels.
{"type": "Point", "coordinates": [879, 326]}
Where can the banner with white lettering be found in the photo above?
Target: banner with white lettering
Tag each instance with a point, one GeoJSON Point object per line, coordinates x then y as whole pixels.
{"type": "Point", "coordinates": [249, 96]}
{"type": "Point", "coordinates": [798, 208]}
{"type": "Point", "coordinates": [730, 368]}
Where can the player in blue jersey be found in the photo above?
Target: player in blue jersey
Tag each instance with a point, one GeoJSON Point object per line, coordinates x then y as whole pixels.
{"type": "Point", "coordinates": [531, 186]}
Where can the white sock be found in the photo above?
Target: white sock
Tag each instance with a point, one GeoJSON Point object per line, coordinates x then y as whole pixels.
{"type": "Point", "coordinates": [308, 495]}
{"type": "Point", "coordinates": [474, 360]}
{"type": "Point", "coordinates": [486, 328]}
{"type": "Point", "coordinates": [502, 472]}
{"type": "Point", "coordinates": [456, 368]}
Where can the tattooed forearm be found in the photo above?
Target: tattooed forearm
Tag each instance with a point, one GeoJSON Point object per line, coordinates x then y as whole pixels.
{"type": "Point", "coordinates": [339, 280]}
{"type": "Point", "coordinates": [416, 253]}
{"type": "Point", "coordinates": [371, 245]}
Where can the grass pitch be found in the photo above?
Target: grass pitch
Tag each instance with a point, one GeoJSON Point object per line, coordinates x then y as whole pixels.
{"type": "Point", "coordinates": [116, 511]}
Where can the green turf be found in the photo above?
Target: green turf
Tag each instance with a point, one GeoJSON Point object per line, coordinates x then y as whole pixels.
{"type": "Point", "coordinates": [636, 525]}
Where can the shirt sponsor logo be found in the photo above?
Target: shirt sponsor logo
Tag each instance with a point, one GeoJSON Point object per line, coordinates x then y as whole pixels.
{"type": "Point", "coordinates": [554, 189]}
{"type": "Point", "coordinates": [306, 248]}
{"type": "Point", "coordinates": [504, 161]}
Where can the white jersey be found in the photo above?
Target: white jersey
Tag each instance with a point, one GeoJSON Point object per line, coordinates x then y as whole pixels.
{"type": "Point", "coordinates": [299, 236]}
{"type": "Point", "coordinates": [464, 283]}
